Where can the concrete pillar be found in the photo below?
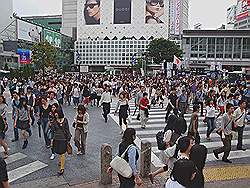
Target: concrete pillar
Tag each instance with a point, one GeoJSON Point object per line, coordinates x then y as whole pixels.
{"type": "Point", "coordinates": [106, 157]}
{"type": "Point", "coordinates": [145, 167]}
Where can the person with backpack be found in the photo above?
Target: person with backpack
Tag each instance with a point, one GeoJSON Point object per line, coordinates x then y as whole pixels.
{"type": "Point", "coordinates": [131, 156]}
{"type": "Point", "coordinates": [3, 129]}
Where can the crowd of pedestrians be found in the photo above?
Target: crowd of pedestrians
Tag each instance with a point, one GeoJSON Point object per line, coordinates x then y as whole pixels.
{"type": "Point", "coordinates": [40, 102]}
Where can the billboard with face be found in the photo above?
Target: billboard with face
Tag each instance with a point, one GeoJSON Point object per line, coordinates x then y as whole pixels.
{"type": "Point", "coordinates": [28, 32]}
{"type": "Point", "coordinates": [92, 12]}
{"type": "Point", "coordinates": [154, 11]}
{"type": "Point", "coordinates": [122, 11]}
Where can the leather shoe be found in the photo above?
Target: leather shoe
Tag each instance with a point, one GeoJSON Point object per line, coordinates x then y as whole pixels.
{"type": "Point", "coordinates": [226, 161]}
{"type": "Point", "coordinates": [243, 149]}
{"type": "Point", "coordinates": [216, 155]}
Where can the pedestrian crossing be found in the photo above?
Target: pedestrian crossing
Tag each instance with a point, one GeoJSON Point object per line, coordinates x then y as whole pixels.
{"type": "Point", "coordinates": [157, 123]}
{"type": "Point", "coordinates": [17, 172]}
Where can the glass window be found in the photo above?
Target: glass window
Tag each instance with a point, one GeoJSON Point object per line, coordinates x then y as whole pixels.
{"type": "Point", "coordinates": [246, 48]}
{"type": "Point", "coordinates": [237, 47]}
{"type": "Point", "coordinates": [219, 47]}
{"type": "Point", "coordinates": [228, 47]}
{"type": "Point", "coordinates": [211, 47]}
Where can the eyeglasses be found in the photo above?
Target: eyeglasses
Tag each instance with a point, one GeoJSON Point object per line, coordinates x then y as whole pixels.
{"type": "Point", "coordinates": [155, 3]}
{"type": "Point", "coordinates": [91, 5]}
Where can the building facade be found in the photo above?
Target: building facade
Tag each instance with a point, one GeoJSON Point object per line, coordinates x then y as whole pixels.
{"type": "Point", "coordinates": [231, 48]}
{"type": "Point", "coordinates": [69, 18]}
{"type": "Point", "coordinates": [119, 34]}
{"type": "Point", "coordinates": [242, 15]}
{"type": "Point", "coordinates": [53, 22]}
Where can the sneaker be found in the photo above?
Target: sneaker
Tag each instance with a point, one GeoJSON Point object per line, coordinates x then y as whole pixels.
{"type": "Point", "coordinates": [208, 138]}
{"type": "Point", "coordinates": [242, 149]}
{"type": "Point", "coordinates": [52, 157]}
{"type": "Point", "coordinates": [79, 153]}
{"type": "Point", "coordinates": [14, 140]}
{"type": "Point", "coordinates": [5, 155]}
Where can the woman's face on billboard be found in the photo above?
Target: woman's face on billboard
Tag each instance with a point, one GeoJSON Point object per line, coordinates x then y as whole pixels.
{"type": "Point", "coordinates": [92, 7]}
{"type": "Point", "coordinates": [155, 6]}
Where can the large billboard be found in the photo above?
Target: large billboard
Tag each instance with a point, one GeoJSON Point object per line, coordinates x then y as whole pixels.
{"type": "Point", "coordinates": [122, 11]}
{"type": "Point", "coordinates": [29, 32]}
{"type": "Point", "coordinates": [154, 11]}
{"type": "Point", "coordinates": [231, 14]}
{"type": "Point", "coordinates": [243, 7]}
{"type": "Point", "coordinates": [24, 56]}
{"type": "Point", "coordinates": [92, 12]}
{"type": "Point", "coordinates": [52, 37]}
{"type": "Point", "coordinates": [174, 16]}
{"type": "Point", "coordinates": [122, 18]}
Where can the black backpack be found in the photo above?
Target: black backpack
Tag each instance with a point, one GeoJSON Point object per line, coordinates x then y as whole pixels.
{"type": "Point", "coordinates": [160, 143]}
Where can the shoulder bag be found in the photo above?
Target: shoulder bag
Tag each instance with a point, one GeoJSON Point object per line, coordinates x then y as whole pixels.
{"type": "Point", "coordinates": [219, 131]}
{"type": "Point", "coordinates": [121, 166]}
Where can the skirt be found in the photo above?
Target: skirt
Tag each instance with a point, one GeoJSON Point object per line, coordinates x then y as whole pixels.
{"type": "Point", "coordinates": [60, 146]}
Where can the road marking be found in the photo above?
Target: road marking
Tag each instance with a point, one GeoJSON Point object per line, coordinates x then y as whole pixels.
{"type": "Point", "coordinates": [225, 173]}
{"type": "Point", "coordinates": [233, 155]}
{"type": "Point", "coordinates": [15, 157]}
{"type": "Point", "coordinates": [25, 170]}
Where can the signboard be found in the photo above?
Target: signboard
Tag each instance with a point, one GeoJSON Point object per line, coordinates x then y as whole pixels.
{"type": "Point", "coordinates": [122, 12]}
{"type": "Point", "coordinates": [84, 68]}
{"type": "Point", "coordinates": [172, 17]}
{"type": "Point", "coordinates": [24, 56]}
{"type": "Point", "coordinates": [52, 37]}
{"type": "Point", "coordinates": [242, 9]}
{"type": "Point", "coordinates": [177, 17]}
{"type": "Point", "coordinates": [231, 14]}
{"type": "Point", "coordinates": [28, 32]}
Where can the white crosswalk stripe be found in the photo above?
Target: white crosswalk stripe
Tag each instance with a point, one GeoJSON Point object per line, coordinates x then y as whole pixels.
{"type": "Point", "coordinates": [24, 170]}
{"type": "Point", "coordinates": [157, 123]}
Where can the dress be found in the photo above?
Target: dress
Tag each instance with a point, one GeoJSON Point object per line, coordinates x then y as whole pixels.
{"type": "Point", "coordinates": [61, 136]}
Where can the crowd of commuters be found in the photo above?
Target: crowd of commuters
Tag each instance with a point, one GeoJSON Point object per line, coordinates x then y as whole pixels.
{"type": "Point", "coordinates": [41, 102]}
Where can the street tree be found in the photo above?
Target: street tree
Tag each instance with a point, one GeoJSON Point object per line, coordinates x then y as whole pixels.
{"type": "Point", "coordinates": [163, 50]}
{"type": "Point", "coordinates": [43, 55]}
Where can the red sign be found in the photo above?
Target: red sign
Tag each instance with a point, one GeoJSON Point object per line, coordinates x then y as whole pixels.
{"type": "Point", "coordinates": [242, 9]}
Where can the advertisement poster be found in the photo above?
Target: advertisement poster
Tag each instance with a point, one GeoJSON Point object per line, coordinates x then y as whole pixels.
{"type": "Point", "coordinates": [231, 13]}
{"type": "Point", "coordinates": [242, 9]}
{"type": "Point", "coordinates": [122, 11]}
{"type": "Point", "coordinates": [24, 56]}
{"type": "Point", "coordinates": [28, 32]}
{"type": "Point", "coordinates": [52, 37]}
{"type": "Point", "coordinates": [177, 16]}
{"type": "Point", "coordinates": [154, 11]}
{"type": "Point", "coordinates": [92, 12]}
{"type": "Point", "coordinates": [172, 16]}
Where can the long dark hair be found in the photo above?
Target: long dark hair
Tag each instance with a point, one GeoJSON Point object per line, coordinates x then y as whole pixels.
{"type": "Point", "coordinates": [21, 103]}
{"type": "Point", "coordinates": [198, 155]}
{"type": "Point", "coordinates": [128, 136]}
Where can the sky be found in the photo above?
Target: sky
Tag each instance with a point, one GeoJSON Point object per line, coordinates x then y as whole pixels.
{"type": "Point", "coordinates": [210, 13]}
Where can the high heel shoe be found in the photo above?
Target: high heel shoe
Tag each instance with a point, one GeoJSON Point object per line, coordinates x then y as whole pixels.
{"type": "Point", "coordinates": [60, 172]}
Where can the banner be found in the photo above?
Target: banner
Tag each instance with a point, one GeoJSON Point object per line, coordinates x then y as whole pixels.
{"type": "Point", "coordinates": [154, 11]}
{"type": "Point", "coordinates": [28, 32]}
{"type": "Point", "coordinates": [177, 17]}
{"type": "Point", "coordinates": [92, 12]}
{"type": "Point", "coordinates": [122, 12]}
{"type": "Point", "coordinates": [24, 56]}
{"type": "Point", "coordinates": [172, 17]}
{"type": "Point", "coordinates": [52, 37]}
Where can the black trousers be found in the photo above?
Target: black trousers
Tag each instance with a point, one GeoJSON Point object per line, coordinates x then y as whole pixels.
{"type": "Point", "coordinates": [201, 105]}
{"type": "Point", "coordinates": [240, 136]}
{"type": "Point", "coordinates": [226, 148]}
{"type": "Point", "coordinates": [106, 110]}
{"type": "Point", "coordinates": [126, 182]}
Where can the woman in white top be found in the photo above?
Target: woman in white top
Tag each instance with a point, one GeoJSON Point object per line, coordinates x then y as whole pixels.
{"type": "Point", "coordinates": [178, 179]}
{"type": "Point", "coordinates": [221, 103]}
{"type": "Point", "coordinates": [76, 95]}
{"type": "Point", "coordinates": [210, 118]}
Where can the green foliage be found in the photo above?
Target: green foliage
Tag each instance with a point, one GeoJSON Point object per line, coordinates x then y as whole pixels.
{"type": "Point", "coordinates": [163, 49]}
{"type": "Point", "coordinates": [43, 55]}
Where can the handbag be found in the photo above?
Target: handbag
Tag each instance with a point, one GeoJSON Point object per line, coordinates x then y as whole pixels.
{"type": "Point", "coordinates": [129, 119]}
{"type": "Point", "coordinates": [121, 166]}
{"type": "Point", "coordinates": [69, 149]}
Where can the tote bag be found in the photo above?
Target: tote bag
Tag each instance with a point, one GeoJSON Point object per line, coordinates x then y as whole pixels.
{"type": "Point", "coordinates": [121, 166]}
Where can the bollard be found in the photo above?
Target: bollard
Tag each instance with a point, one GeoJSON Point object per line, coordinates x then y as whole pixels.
{"type": "Point", "coordinates": [145, 167]}
{"type": "Point", "coordinates": [106, 157]}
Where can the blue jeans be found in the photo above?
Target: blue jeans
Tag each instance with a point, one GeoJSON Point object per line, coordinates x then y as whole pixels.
{"type": "Point", "coordinates": [210, 125]}
{"type": "Point", "coordinates": [45, 127]}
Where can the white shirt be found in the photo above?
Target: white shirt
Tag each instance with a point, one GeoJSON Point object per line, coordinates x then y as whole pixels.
{"type": "Point", "coordinates": [76, 92]}
{"type": "Point", "coordinates": [210, 111]}
{"type": "Point", "coordinates": [238, 115]}
{"type": "Point", "coordinates": [173, 184]}
{"type": "Point", "coordinates": [106, 97]}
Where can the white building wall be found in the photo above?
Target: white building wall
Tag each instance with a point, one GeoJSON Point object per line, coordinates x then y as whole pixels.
{"type": "Point", "coordinates": [69, 16]}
